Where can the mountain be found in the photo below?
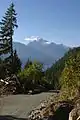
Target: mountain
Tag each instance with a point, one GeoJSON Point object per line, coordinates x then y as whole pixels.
{"type": "Point", "coordinates": [40, 50]}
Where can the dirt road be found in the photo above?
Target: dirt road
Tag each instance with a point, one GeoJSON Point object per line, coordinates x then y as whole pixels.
{"type": "Point", "coordinates": [20, 105]}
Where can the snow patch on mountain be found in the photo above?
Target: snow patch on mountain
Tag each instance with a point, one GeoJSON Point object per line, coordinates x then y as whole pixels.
{"type": "Point", "coordinates": [32, 38]}
{"type": "Point", "coordinates": [37, 39]}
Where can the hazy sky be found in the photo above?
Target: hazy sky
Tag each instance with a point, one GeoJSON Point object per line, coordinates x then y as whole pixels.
{"type": "Point", "coordinates": [53, 20]}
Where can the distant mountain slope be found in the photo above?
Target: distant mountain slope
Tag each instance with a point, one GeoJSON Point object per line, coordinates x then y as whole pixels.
{"type": "Point", "coordinates": [53, 73]}
{"type": "Point", "coordinates": [40, 50]}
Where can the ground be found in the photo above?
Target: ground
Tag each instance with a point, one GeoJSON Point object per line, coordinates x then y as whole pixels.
{"type": "Point", "coordinates": [20, 105]}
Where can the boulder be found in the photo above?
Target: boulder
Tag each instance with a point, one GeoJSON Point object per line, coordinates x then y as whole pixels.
{"type": "Point", "coordinates": [75, 113]}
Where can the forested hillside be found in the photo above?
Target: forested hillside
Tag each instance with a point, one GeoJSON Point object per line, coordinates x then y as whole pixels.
{"type": "Point", "coordinates": [54, 73]}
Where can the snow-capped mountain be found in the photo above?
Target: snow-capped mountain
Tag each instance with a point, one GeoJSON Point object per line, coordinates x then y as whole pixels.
{"type": "Point", "coordinates": [40, 50]}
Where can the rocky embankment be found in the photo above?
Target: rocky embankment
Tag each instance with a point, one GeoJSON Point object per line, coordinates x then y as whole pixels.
{"type": "Point", "coordinates": [42, 111]}
{"type": "Point", "coordinates": [58, 110]}
{"type": "Point", "coordinates": [51, 110]}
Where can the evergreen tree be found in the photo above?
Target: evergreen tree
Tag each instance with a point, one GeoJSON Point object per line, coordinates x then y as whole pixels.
{"type": "Point", "coordinates": [7, 25]}
{"type": "Point", "coordinates": [2, 69]}
{"type": "Point", "coordinates": [28, 63]}
{"type": "Point", "coordinates": [16, 63]}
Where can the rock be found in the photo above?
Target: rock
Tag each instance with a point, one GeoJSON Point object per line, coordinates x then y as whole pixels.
{"type": "Point", "coordinates": [75, 113]}
{"type": "Point", "coordinates": [9, 85]}
{"type": "Point", "coordinates": [38, 113]}
{"type": "Point", "coordinates": [78, 118]}
{"type": "Point", "coordinates": [29, 92]}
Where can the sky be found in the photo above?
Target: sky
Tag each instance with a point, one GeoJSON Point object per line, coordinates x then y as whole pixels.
{"type": "Point", "coordinates": [53, 20]}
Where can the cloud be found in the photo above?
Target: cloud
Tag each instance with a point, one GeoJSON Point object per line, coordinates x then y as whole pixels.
{"type": "Point", "coordinates": [32, 38]}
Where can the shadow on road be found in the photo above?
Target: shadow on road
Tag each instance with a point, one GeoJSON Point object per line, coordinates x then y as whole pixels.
{"type": "Point", "coordinates": [4, 117]}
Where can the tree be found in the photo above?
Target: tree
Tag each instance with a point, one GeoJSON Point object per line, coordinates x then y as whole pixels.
{"type": "Point", "coordinates": [2, 69]}
{"type": "Point", "coordinates": [28, 63]}
{"type": "Point", "coordinates": [31, 76]}
{"type": "Point", "coordinates": [7, 25]}
{"type": "Point", "coordinates": [16, 63]}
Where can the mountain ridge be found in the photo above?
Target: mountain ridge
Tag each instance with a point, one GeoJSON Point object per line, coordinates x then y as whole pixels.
{"type": "Point", "coordinates": [41, 50]}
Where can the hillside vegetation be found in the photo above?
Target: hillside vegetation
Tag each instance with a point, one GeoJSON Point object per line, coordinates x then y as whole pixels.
{"type": "Point", "coordinates": [65, 73]}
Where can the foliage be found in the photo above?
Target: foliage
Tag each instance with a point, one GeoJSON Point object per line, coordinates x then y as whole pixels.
{"type": "Point", "coordinates": [53, 74]}
{"type": "Point", "coordinates": [31, 76]}
{"type": "Point", "coordinates": [3, 70]}
{"type": "Point", "coordinates": [70, 78]}
{"type": "Point", "coordinates": [16, 63]}
{"type": "Point", "coordinates": [44, 82]}
{"type": "Point", "coordinates": [28, 63]}
{"type": "Point", "coordinates": [7, 25]}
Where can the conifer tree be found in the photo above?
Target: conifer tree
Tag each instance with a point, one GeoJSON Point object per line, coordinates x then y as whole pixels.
{"type": "Point", "coordinates": [28, 63]}
{"type": "Point", "coordinates": [16, 63]}
{"type": "Point", "coordinates": [7, 26]}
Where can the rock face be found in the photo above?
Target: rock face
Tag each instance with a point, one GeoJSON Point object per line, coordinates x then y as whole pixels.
{"type": "Point", "coordinates": [61, 110]}
{"type": "Point", "coordinates": [9, 85]}
{"type": "Point", "coordinates": [75, 113]}
{"type": "Point", "coordinates": [49, 110]}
